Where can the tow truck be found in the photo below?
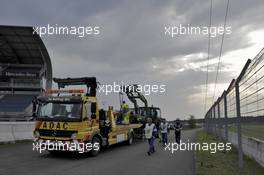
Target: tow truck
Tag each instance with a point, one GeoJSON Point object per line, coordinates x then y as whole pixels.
{"type": "Point", "coordinates": [71, 116]}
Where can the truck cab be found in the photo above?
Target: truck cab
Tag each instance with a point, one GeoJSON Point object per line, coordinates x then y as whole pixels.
{"type": "Point", "coordinates": [72, 119]}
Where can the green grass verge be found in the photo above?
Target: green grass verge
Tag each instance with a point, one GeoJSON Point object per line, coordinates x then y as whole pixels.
{"type": "Point", "coordinates": [251, 130]}
{"type": "Point", "coordinates": [222, 163]}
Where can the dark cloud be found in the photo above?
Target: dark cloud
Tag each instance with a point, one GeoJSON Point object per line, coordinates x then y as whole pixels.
{"type": "Point", "coordinates": [132, 43]}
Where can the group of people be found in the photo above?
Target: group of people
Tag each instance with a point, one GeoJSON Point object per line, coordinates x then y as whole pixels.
{"type": "Point", "coordinates": [152, 131]}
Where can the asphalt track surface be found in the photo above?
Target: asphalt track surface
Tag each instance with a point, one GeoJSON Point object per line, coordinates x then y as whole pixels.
{"type": "Point", "coordinates": [117, 160]}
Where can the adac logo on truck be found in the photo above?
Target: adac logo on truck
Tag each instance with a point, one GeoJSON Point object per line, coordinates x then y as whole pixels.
{"type": "Point", "coordinates": [55, 125]}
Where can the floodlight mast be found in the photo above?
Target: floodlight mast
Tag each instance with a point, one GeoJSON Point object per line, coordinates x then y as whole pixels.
{"type": "Point", "coordinates": [90, 83]}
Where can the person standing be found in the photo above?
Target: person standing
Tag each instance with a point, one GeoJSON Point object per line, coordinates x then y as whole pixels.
{"type": "Point", "coordinates": [178, 128]}
{"type": "Point", "coordinates": [164, 132]}
{"type": "Point", "coordinates": [124, 107]}
{"type": "Point", "coordinates": [125, 113]}
{"type": "Point", "coordinates": [157, 122]}
{"type": "Point", "coordinates": [150, 133]}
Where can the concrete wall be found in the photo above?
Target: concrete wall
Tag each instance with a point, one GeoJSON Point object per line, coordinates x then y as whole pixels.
{"type": "Point", "coordinates": [15, 131]}
{"type": "Point", "coordinates": [252, 147]}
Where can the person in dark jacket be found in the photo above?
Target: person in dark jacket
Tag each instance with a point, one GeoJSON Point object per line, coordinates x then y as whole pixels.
{"type": "Point", "coordinates": [177, 129]}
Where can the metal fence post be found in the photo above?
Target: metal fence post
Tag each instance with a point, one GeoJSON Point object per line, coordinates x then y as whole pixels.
{"type": "Point", "coordinates": [207, 122]}
{"type": "Point", "coordinates": [211, 121]}
{"type": "Point", "coordinates": [239, 135]}
{"type": "Point", "coordinates": [218, 119]}
{"type": "Point", "coordinates": [225, 113]}
{"type": "Point", "coordinates": [214, 120]}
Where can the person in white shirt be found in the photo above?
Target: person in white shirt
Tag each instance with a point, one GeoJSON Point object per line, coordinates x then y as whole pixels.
{"type": "Point", "coordinates": [164, 132]}
{"type": "Point", "coordinates": [150, 131]}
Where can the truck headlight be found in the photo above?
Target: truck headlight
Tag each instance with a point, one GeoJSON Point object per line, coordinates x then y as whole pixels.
{"type": "Point", "coordinates": [36, 133]}
{"type": "Point", "coordinates": [74, 136]}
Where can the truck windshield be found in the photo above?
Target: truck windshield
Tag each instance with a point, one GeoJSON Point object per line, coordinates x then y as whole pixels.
{"type": "Point", "coordinates": [60, 111]}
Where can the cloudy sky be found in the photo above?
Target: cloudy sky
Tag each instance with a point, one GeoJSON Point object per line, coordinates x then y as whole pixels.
{"type": "Point", "coordinates": [132, 46]}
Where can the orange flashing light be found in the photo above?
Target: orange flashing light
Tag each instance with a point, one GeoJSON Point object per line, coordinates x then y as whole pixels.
{"type": "Point", "coordinates": [70, 91]}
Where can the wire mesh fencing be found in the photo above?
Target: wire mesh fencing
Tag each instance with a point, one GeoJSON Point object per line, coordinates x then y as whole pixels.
{"type": "Point", "coordinates": [240, 108]}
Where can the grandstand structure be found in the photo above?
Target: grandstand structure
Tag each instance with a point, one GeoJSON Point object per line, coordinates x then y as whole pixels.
{"type": "Point", "coordinates": [25, 71]}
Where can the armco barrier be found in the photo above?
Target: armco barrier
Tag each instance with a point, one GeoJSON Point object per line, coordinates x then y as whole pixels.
{"type": "Point", "coordinates": [252, 147]}
{"type": "Point", "coordinates": [16, 131]}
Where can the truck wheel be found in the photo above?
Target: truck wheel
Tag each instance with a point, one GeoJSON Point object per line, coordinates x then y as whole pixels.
{"type": "Point", "coordinates": [130, 138]}
{"type": "Point", "coordinates": [95, 150]}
